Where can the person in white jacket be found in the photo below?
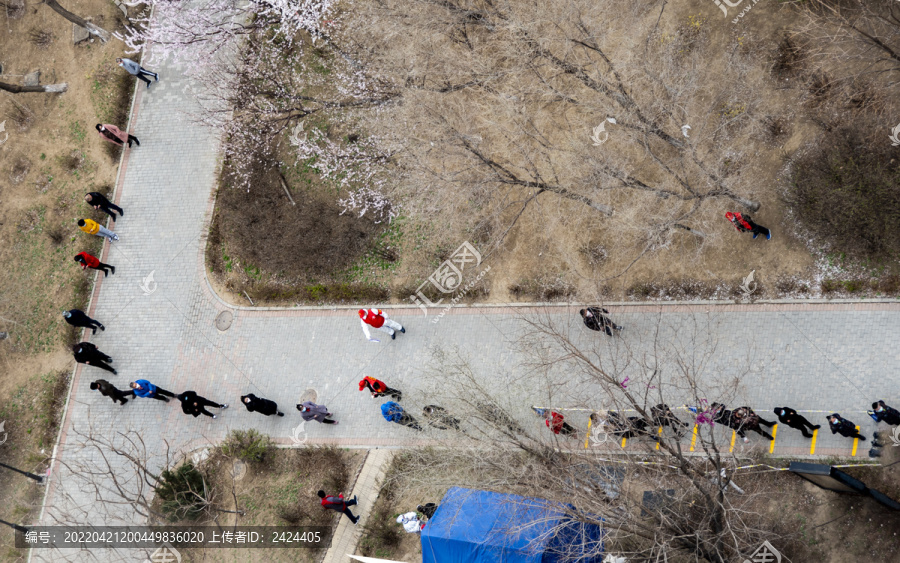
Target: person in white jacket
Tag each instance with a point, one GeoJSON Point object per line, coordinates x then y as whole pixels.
{"type": "Point", "coordinates": [376, 318]}
{"type": "Point", "coordinates": [135, 69]}
{"type": "Point", "coordinates": [411, 522]}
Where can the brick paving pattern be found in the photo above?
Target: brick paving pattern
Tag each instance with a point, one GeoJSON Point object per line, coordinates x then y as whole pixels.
{"type": "Point", "coordinates": [810, 356]}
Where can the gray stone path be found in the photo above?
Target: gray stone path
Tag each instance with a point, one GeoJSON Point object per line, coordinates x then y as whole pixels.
{"type": "Point", "coordinates": [828, 356]}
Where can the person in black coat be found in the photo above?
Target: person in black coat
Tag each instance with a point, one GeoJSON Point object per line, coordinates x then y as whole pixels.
{"type": "Point", "coordinates": [193, 404]}
{"type": "Point", "coordinates": [78, 319]}
{"type": "Point", "coordinates": [260, 405]}
{"type": "Point", "coordinates": [883, 413]}
{"type": "Point", "coordinates": [439, 418]}
{"type": "Point", "coordinates": [790, 417]}
{"type": "Point", "coordinates": [99, 201]}
{"type": "Point", "coordinates": [844, 427]}
{"type": "Point", "coordinates": [594, 319]}
{"type": "Point", "coordinates": [107, 389]}
{"type": "Point", "coordinates": [662, 415]}
{"type": "Point", "coordinates": [741, 419]}
{"type": "Point", "coordinates": [87, 353]}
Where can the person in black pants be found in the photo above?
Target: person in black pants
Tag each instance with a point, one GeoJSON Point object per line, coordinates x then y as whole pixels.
{"type": "Point", "coordinates": [99, 201]}
{"type": "Point", "coordinates": [193, 404]}
{"type": "Point", "coordinates": [78, 319]}
{"type": "Point", "coordinates": [260, 405]}
{"type": "Point", "coordinates": [87, 353]}
{"type": "Point", "coordinates": [339, 504]}
{"type": "Point", "coordinates": [439, 417]}
{"type": "Point", "coordinates": [594, 319]}
{"type": "Point", "coordinates": [790, 417]}
{"type": "Point", "coordinates": [844, 427]}
{"type": "Point", "coordinates": [107, 389]}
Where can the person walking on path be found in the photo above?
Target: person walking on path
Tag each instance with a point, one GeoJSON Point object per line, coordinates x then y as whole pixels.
{"type": "Point", "coordinates": [92, 262]}
{"type": "Point", "coordinates": [393, 412]}
{"type": "Point", "coordinates": [338, 504]}
{"type": "Point", "coordinates": [99, 201]}
{"type": "Point", "coordinates": [595, 319]}
{"type": "Point", "coordinates": [439, 418]}
{"type": "Point", "coordinates": [193, 404]}
{"type": "Point", "coordinates": [88, 354]}
{"type": "Point", "coordinates": [557, 423]}
{"type": "Point", "coordinates": [379, 388]}
{"type": "Point", "coordinates": [842, 426]}
{"type": "Point", "coordinates": [114, 135]}
{"type": "Point", "coordinates": [78, 319]}
{"type": "Point", "coordinates": [662, 415]}
{"type": "Point", "coordinates": [319, 413]}
{"type": "Point", "coordinates": [107, 389]}
{"type": "Point", "coordinates": [94, 228]}
{"type": "Point", "coordinates": [376, 318]}
{"type": "Point", "coordinates": [145, 389]}
{"type": "Point", "coordinates": [137, 70]}
{"type": "Point", "coordinates": [883, 413]}
{"type": "Point", "coordinates": [741, 419]}
{"type": "Point", "coordinates": [260, 405]}
{"type": "Point", "coordinates": [744, 224]}
{"type": "Point", "coordinates": [790, 417]}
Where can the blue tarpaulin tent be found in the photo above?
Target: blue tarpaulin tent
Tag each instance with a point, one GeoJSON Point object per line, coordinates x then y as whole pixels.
{"type": "Point", "coordinates": [482, 527]}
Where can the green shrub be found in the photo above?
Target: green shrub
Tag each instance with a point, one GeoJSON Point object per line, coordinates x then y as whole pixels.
{"type": "Point", "coordinates": [247, 445]}
{"type": "Point", "coordinates": [182, 492]}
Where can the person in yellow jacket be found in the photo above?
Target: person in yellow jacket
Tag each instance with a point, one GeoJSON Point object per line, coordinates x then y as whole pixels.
{"type": "Point", "coordinates": [95, 228]}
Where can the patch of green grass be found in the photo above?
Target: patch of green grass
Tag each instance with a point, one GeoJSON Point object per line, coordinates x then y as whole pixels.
{"type": "Point", "coordinates": [77, 132]}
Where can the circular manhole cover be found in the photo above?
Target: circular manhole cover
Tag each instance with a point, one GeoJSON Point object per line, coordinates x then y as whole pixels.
{"type": "Point", "coordinates": [308, 395]}
{"type": "Point", "coordinates": [223, 320]}
{"type": "Point", "coordinates": [238, 470]}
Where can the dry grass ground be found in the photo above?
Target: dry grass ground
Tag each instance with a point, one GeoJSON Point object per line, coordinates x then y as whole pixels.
{"type": "Point", "coordinates": [558, 249]}
{"type": "Point", "coordinates": [280, 492]}
{"type": "Point", "coordinates": [51, 158]}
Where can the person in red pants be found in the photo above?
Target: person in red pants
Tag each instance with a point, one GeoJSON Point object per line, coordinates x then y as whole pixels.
{"type": "Point", "coordinates": [92, 262]}
{"type": "Point", "coordinates": [339, 504]}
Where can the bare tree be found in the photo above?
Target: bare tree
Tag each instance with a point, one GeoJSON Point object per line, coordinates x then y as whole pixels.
{"type": "Point", "coordinates": [77, 20]}
{"type": "Point", "coordinates": [854, 40]}
{"type": "Point", "coordinates": [702, 515]}
{"type": "Point", "coordinates": [50, 88]}
{"type": "Point", "coordinates": [500, 101]}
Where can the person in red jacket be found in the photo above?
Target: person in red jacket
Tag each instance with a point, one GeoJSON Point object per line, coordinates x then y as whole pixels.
{"type": "Point", "coordinates": [339, 504]}
{"type": "Point", "coordinates": [376, 318]}
{"type": "Point", "coordinates": [557, 423]}
{"type": "Point", "coordinates": [744, 224]}
{"type": "Point", "coordinates": [379, 388]}
{"type": "Point", "coordinates": [88, 261]}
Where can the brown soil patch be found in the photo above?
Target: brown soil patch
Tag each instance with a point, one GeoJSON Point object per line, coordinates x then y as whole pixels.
{"type": "Point", "coordinates": [580, 256]}
{"type": "Point", "coordinates": [51, 158]}
{"type": "Point", "coordinates": [280, 492]}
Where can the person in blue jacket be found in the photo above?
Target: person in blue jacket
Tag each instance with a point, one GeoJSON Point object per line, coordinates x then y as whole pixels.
{"type": "Point", "coordinates": [393, 412]}
{"type": "Point", "coordinates": [145, 389]}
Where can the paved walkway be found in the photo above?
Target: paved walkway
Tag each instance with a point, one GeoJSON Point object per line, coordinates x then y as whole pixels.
{"type": "Point", "coordinates": [830, 356]}
{"type": "Point", "coordinates": [367, 488]}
